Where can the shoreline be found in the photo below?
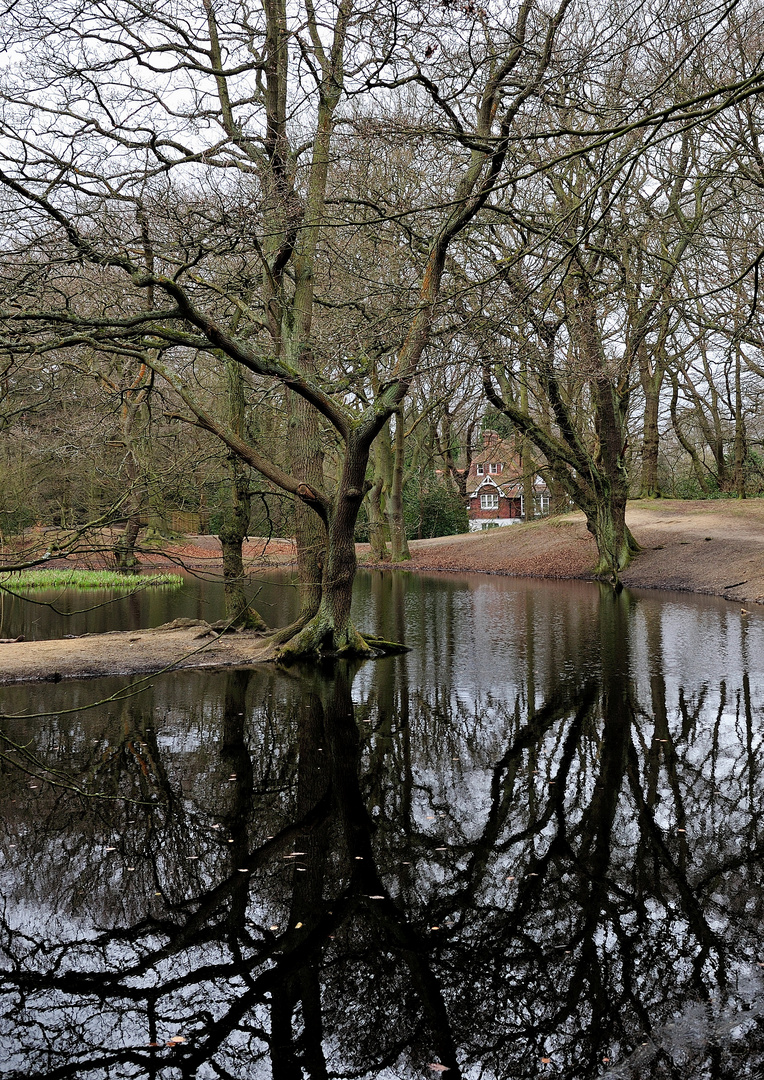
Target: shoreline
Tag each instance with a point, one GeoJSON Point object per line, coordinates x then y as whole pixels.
{"type": "Point", "coordinates": [714, 548]}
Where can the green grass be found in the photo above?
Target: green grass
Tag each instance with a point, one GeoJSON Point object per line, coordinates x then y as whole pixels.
{"type": "Point", "coordinates": [86, 579]}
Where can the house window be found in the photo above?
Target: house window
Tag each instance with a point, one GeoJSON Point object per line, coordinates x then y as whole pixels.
{"type": "Point", "coordinates": [480, 470]}
{"type": "Point", "coordinates": [489, 501]}
{"type": "Point", "coordinates": [494, 467]}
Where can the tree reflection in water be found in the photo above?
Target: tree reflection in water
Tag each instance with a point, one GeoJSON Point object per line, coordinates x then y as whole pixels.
{"type": "Point", "coordinates": [295, 885]}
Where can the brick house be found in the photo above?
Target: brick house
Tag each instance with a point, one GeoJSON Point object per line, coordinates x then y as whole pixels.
{"type": "Point", "coordinates": [495, 487]}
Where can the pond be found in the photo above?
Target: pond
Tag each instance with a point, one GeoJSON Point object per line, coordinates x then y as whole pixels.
{"type": "Point", "coordinates": [53, 613]}
{"type": "Point", "coordinates": [531, 847]}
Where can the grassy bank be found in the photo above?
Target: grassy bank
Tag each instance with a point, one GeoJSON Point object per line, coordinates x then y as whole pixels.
{"type": "Point", "coordinates": [25, 580]}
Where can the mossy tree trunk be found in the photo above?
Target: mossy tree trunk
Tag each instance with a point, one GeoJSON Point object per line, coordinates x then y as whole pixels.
{"type": "Point", "coordinates": [330, 630]}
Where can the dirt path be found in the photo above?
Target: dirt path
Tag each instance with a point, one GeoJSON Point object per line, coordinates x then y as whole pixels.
{"type": "Point", "coordinates": [704, 547]}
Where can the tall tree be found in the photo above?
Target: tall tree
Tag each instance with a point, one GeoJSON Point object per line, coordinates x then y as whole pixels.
{"type": "Point", "coordinates": [214, 126]}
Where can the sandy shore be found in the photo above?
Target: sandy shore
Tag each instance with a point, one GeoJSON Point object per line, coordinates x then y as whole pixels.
{"type": "Point", "coordinates": [185, 643]}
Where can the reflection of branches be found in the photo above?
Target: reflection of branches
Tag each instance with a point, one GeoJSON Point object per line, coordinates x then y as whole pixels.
{"type": "Point", "coordinates": [270, 915]}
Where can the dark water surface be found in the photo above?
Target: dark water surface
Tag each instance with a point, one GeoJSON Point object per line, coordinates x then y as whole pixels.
{"type": "Point", "coordinates": [55, 613]}
{"type": "Point", "coordinates": [532, 847]}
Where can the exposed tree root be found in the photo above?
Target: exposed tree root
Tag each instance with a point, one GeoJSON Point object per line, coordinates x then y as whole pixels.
{"type": "Point", "coordinates": [316, 640]}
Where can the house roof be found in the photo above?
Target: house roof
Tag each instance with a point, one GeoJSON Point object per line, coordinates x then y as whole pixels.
{"type": "Point", "coordinates": [509, 481]}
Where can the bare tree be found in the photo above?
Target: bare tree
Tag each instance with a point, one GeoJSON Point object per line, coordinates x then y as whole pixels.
{"type": "Point", "coordinates": [214, 128]}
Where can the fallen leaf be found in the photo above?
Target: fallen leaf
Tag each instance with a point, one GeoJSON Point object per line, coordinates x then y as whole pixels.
{"type": "Point", "coordinates": [376, 898]}
{"type": "Point", "coordinates": [438, 1068]}
{"type": "Point", "coordinates": [546, 1061]}
{"type": "Point", "coordinates": [297, 925]}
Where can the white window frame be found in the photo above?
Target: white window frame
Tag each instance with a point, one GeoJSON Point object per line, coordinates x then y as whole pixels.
{"type": "Point", "coordinates": [480, 470]}
{"type": "Point", "coordinates": [489, 500]}
{"type": "Point", "coordinates": [494, 467]}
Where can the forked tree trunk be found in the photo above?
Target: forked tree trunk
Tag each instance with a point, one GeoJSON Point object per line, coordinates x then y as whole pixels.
{"type": "Point", "coordinates": [330, 632]}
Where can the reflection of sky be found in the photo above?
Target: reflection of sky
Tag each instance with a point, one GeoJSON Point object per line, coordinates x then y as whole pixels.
{"type": "Point", "coordinates": [442, 719]}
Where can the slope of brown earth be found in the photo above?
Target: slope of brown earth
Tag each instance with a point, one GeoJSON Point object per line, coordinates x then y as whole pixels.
{"type": "Point", "coordinates": [714, 547]}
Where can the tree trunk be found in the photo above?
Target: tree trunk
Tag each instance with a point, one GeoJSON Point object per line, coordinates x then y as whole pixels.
{"type": "Point", "coordinates": [650, 488]}
{"type": "Point", "coordinates": [527, 463]}
{"type": "Point", "coordinates": [239, 613]}
{"type": "Point", "coordinates": [652, 371]}
{"type": "Point", "coordinates": [606, 521]}
{"type": "Point", "coordinates": [125, 558]}
{"type": "Point", "coordinates": [377, 496]}
{"type": "Point", "coordinates": [330, 632]}
{"type": "Point", "coordinates": [739, 475]}
{"type": "Point", "coordinates": [310, 534]}
{"type": "Point", "coordinates": [399, 546]}
{"type": "Point", "coordinates": [236, 517]}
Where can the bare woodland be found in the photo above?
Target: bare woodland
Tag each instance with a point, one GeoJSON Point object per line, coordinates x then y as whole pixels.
{"type": "Point", "coordinates": [282, 264]}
